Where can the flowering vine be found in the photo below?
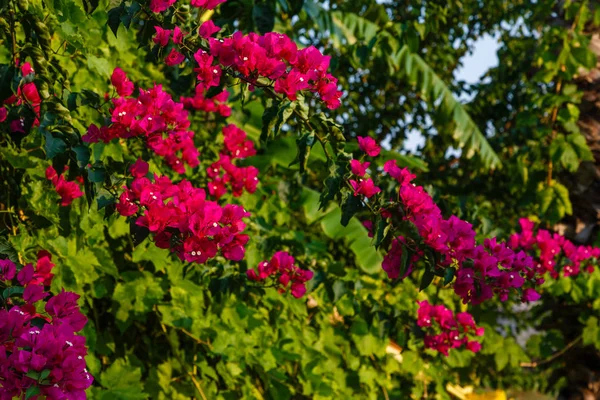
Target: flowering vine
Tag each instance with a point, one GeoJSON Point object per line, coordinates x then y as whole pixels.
{"type": "Point", "coordinates": [40, 352]}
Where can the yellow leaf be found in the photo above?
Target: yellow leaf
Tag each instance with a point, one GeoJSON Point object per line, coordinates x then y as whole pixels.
{"type": "Point", "coordinates": [497, 395]}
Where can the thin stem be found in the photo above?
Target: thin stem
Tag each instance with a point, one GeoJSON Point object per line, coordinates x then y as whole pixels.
{"type": "Point", "coordinates": [182, 363]}
{"type": "Point", "coordinates": [13, 35]}
{"type": "Point", "coordinates": [553, 135]}
{"type": "Point", "coordinates": [554, 356]}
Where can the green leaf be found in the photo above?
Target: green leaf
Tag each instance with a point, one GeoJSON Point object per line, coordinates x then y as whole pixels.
{"type": "Point", "coordinates": [429, 272]}
{"type": "Point", "coordinates": [105, 199]}
{"type": "Point", "coordinates": [122, 381]}
{"type": "Point", "coordinates": [501, 358]}
{"type": "Point", "coordinates": [138, 233]}
{"type": "Point", "coordinates": [351, 206]}
{"type": "Point", "coordinates": [32, 391]}
{"type": "Point", "coordinates": [426, 279]}
{"type": "Point", "coordinates": [82, 153]}
{"type": "Point", "coordinates": [274, 117]}
{"type": "Point", "coordinates": [591, 332]}
{"type": "Point", "coordinates": [140, 292]}
{"type": "Point", "coordinates": [90, 97]}
{"type": "Point", "coordinates": [90, 5]}
{"type": "Point", "coordinates": [382, 229]}
{"type": "Point", "coordinates": [570, 150]}
{"type": "Point", "coordinates": [554, 201]}
{"type": "Point", "coordinates": [304, 144]}
{"type": "Point", "coordinates": [96, 174]}
{"type": "Point", "coordinates": [53, 146]}
{"type": "Point", "coordinates": [263, 16]}
{"type": "Point", "coordinates": [268, 121]}
{"type": "Point", "coordinates": [100, 65]}
{"type": "Point", "coordinates": [33, 375]}
{"type": "Point", "coordinates": [7, 74]}
{"type": "Point", "coordinates": [404, 261]}
{"type": "Point", "coordinates": [449, 275]}
{"type": "Point", "coordinates": [14, 290]}
{"type": "Point", "coordinates": [333, 183]}
{"type": "Point", "coordinates": [45, 373]}
{"type": "Point", "coordinates": [8, 250]}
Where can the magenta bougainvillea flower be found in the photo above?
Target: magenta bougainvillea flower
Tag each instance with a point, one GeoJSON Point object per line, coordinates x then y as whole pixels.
{"type": "Point", "coordinates": [369, 146]}
{"type": "Point", "coordinates": [122, 84]}
{"type": "Point", "coordinates": [67, 190]}
{"type": "Point", "coordinates": [283, 270]}
{"type": "Point", "coordinates": [364, 187]}
{"type": "Point", "coordinates": [182, 219]}
{"type": "Point", "coordinates": [444, 330]}
{"type": "Point", "coordinates": [41, 350]}
{"type": "Point", "coordinates": [154, 116]}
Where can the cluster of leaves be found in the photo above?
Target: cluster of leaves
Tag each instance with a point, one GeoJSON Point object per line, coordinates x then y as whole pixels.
{"type": "Point", "coordinates": [162, 329]}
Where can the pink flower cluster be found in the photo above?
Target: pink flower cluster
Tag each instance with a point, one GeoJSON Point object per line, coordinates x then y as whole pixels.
{"type": "Point", "coordinates": [158, 6]}
{"type": "Point", "coordinates": [200, 102]}
{"type": "Point", "coordinates": [224, 173]}
{"type": "Point", "coordinates": [162, 38]}
{"type": "Point", "coordinates": [153, 115]}
{"type": "Point", "coordinates": [482, 269]}
{"type": "Point", "coordinates": [364, 186]}
{"type": "Point", "coordinates": [181, 219]}
{"type": "Point", "coordinates": [392, 262]}
{"type": "Point", "coordinates": [444, 330]}
{"type": "Point", "coordinates": [274, 56]}
{"type": "Point", "coordinates": [28, 94]}
{"type": "Point", "coordinates": [40, 349]}
{"type": "Point", "coordinates": [67, 190]}
{"type": "Point", "coordinates": [556, 253]}
{"type": "Point", "coordinates": [281, 268]}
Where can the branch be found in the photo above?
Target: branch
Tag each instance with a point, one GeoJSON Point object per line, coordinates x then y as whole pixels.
{"type": "Point", "coordinates": [554, 356]}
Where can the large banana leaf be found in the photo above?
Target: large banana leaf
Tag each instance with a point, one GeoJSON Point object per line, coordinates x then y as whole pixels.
{"type": "Point", "coordinates": [348, 28]}
{"type": "Point", "coordinates": [435, 91]}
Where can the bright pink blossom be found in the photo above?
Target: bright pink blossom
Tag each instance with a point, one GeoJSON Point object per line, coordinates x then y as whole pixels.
{"type": "Point", "coordinates": [181, 219]}
{"type": "Point", "coordinates": [48, 344]}
{"type": "Point", "coordinates": [358, 168]}
{"type": "Point", "coordinates": [8, 270]}
{"type": "Point", "coordinates": [216, 104]}
{"type": "Point", "coordinates": [162, 36]}
{"type": "Point", "coordinates": [369, 146]}
{"type": "Point", "coordinates": [158, 6]}
{"type": "Point", "coordinates": [178, 35]}
{"type": "Point", "coordinates": [174, 58]}
{"type": "Point", "coordinates": [139, 168]}
{"type": "Point", "coordinates": [401, 175]}
{"type": "Point", "coordinates": [207, 4]}
{"type": "Point", "coordinates": [364, 187]}
{"type": "Point", "coordinates": [276, 57]}
{"type": "Point", "coordinates": [444, 330]}
{"type": "Point", "coordinates": [162, 122]}
{"type": "Point", "coordinates": [68, 191]}
{"type": "Point", "coordinates": [208, 29]}
{"type": "Point", "coordinates": [122, 84]}
{"type": "Point", "coordinates": [282, 270]}
{"type": "Point", "coordinates": [236, 142]}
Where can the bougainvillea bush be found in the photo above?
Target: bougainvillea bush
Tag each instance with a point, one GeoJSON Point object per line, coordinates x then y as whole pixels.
{"type": "Point", "coordinates": [188, 213]}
